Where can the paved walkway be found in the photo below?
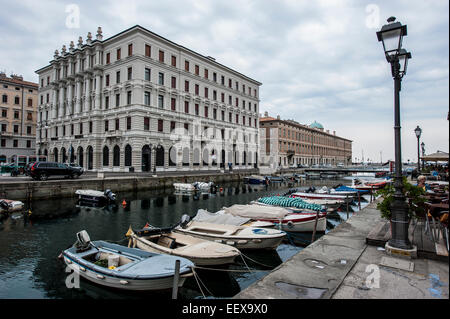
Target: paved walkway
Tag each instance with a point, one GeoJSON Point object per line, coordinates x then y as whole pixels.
{"type": "Point", "coordinates": [341, 265]}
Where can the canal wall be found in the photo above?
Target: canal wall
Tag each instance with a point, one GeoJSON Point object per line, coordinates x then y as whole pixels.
{"type": "Point", "coordinates": [51, 189]}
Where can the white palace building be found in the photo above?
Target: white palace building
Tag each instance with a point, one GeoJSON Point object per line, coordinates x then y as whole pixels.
{"type": "Point", "coordinates": [139, 102]}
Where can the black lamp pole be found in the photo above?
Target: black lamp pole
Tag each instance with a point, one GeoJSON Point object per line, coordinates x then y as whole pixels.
{"type": "Point", "coordinates": [423, 154]}
{"type": "Point", "coordinates": [418, 131]}
{"type": "Point", "coordinates": [391, 35]}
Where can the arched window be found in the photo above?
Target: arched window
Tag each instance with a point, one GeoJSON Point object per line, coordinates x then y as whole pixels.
{"type": "Point", "coordinates": [116, 156]}
{"type": "Point", "coordinates": [105, 156]}
{"type": "Point", "coordinates": [205, 156]}
{"type": "Point", "coordinates": [71, 155]}
{"type": "Point", "coordinates": [244, 158]}
{"type": "Point", "coordinates": [146, 158]}
{"type": "Point", "coordinates": [172, 156]}
{"type": "Point", "coordinates": [63, 155]}
{"type": "Point", "coordinates": [196, 157]}
{"type": "Point", "coordinates": [55, 154]}
{"type": "Point", "coordinates": [127, 155]}
{"type": "Point", "coordinates": [80, 156]}
{"type": "Point", "coordinates": [186, 156]}
{"type": "Point", "coordinates": [159, 156]}
{"type": "Point", "coordinates": [90, 157]}
{"type": "Point", "coordinates": [222, 159]}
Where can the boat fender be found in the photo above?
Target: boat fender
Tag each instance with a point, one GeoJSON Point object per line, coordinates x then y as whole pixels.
{"type": "Point", "coordinates": [242, 242]}
{"type": "Point", "coordinates": [290, 224]}
{"type": "Point", "coordinates": [100, 277]}
{"type": "Point", "coordinates": [123, 282]}
{"type": "Point", "coordinates": [230, 242]}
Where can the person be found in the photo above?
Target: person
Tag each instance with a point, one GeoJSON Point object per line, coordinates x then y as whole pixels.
{"type": "Point", "coordinates": [421, 182]}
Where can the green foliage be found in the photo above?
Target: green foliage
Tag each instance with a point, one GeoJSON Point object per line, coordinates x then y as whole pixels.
{"type": "Point", "coordinates": [414, 197]}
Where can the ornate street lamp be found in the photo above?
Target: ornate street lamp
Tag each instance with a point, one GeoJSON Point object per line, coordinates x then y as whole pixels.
{"type": "Point", "coordinates": [392, 35]}
{"type": "Point", "coordinates": [423, 154]}
{"type": "Point", "coordinates": [418, 131]}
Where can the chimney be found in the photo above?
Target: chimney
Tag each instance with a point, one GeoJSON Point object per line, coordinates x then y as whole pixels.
{"type": "Point", "coordinates": [99, 35]}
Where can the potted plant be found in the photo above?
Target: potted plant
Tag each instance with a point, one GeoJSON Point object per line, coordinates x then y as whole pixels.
{"type": "Point", "coordinates": [414, 199]}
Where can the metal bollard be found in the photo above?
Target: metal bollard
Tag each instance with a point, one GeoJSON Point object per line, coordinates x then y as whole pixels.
{"type": "Point", "coordinates": [315, 226]}
{"type": "Point", "coordinates": [176, 278]}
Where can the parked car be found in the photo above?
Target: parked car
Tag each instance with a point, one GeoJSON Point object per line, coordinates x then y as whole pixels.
{"type": "Point", "coordinates": [43, 170]}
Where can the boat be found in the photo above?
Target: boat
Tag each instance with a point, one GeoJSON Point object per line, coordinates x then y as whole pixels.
{"type": "Point", "coordinates": [164, 241]}
{"type": "Point", "coordinates": [94, 196]}
{"type": "Point", "coordinates": [283, 218]}
{"type": "Point", "coordinates": [275, 179]}
{"type": "Point", "coordinates": [241, 237]}
{"type": "Point", "coordinates": [255, 179]}
{"type": "Point", "coordinates": [9, 205]}
{"type": "Point", "coordinates": [348, 192]}
{"type": "Point", "coordinates": [203, 186]}
{"type": "Point", "coordinates": [328, 203]}
{"type": "Point", "coordinates": [368, 185]}
{"type": "Point", "coordinates": [184, 187]}
{"type": "Point", "coordinates": [344, 189]}
{"type": "Point", "coordinates": [121, 267]}
{"type": "Point", "coordinates": [220, 217]}
{"type": "Point", "coordinates": [314, 195]}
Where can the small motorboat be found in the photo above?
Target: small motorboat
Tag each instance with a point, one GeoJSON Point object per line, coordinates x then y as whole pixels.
{"type": "Point", "coordinates": [98, 197]}
{"type": "Point", "coordinates": [291, 220]}
{"type": "Point", "coordinates": [255, 179]}
{"type": "Point", "coordinates": [328, 203]}
{"type": "Point", "coordinates": [241, 237]}
{"type": "Point", "coordinates": [164, 241]}
{"type": "Point", "coordinates": [368, 185]}
{"type": "Point", "coordinates": [203, 186]}
{"type": "Point", "coordinates": [184, 187]}
{"type": "Point", "coordinates": [9, 206]}
{"type": "Point", "coordinates": [220, 217]}
{"type": "Point", "coordinates": [311, 194]}
{"type": "Point", "coordinates": [122, 267]}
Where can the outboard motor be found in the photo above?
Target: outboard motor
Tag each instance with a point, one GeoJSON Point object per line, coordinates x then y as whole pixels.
{"type": "Point", "coordinates": [185, 219]}
{"type": "Point", "coordinates": [83, 241]}
{"type": "Point", "coordinates": [4, 205]}
{"type": "Point", "coordinates": [111, 196]}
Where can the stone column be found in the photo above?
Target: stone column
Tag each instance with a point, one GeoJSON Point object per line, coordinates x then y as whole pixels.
{"type": "Point", "coordinates": [69, 98]}
{"type": "Point", "coordinates": [78, 97]}
{"type": "Point", "coordinates": [54, 102]}
{"type": "Point", "coordinates": [98, 83]}
{"type": "Point", "coordinates": [87, 91]}
{"type": "Point", "coordinates": [61, 101]}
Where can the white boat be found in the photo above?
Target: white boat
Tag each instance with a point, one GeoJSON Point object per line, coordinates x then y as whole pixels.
{"type": "Point", "coordinates": [283, 218]}
{"type": "Point", "coordinates": [241, 237]}
{"type": "Point", "coordinates": [312, 195]}
{"type": "Point", "coordinates": [9, 205]}
{"type": "Point", "coordinates": [203, 186]}
{"type": "Point", "coordinates": [99, 197]}
{"type": "Point", "coordinates": [121, 267]}
{"type": "Point", "coordinates": [329, 203]}
{"type": "Point", "coordinates": [220, 217]}
{"type": "Point", "coordinates": [184, 187]}
{"type": "Point", "coordinates": [326, 190]}
{"type": "Point", "coordinates": [164, 241]}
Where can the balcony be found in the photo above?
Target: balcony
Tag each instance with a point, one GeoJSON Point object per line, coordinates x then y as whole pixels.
{"type": "Point", "coordinates": [113, 134]}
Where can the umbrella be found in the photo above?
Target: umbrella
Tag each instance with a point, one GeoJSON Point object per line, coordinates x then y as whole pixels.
{"type": "Point", "coordinates": [438, 156]}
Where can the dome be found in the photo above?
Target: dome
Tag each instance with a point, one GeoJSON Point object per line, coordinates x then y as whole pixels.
{"type": "Point", "coordinates": [316, 125]}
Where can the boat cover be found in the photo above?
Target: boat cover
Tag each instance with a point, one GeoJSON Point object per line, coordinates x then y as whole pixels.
{"type": "Point", "coordinates": [257, 211]}
{"type": "Point", "coordinates": [90, 192]}
{"type": "Point", "coordinates": [219, 218]}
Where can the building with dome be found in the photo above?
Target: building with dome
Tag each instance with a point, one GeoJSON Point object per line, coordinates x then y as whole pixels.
{"type": "Point", "coordinates": [287, 143]}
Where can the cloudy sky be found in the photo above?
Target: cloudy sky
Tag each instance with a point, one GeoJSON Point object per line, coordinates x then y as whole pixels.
{"type": "Point", "coordinates": [317, 59]}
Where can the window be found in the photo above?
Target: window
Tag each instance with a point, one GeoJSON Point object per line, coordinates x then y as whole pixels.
{"type": "Point", "coordinates": [106, 102]}
{"type": "Point", "coordinates": [206, 111]}
{"type": "Point", "coordinates": [214, 76]}
{"type": "Point", "coordinates": [186, 66]}
{"type": "Point", "coordinates": [106, 125]}
{"type": "Point", "coordinates": [16, 115]}
{"type": "Point", "coordinates": [186, 126]}
{"type": "Point", "coordinates": [197, 111]}
{"type": "Point", "coordinates": [3, 142]}
{"type": "Point", "coordinates": [147, 74]}
{"type": "Point", "coordinates": [81, 128]}
{"type": "Point", "coordinates": [48, 98]}
{"type": "Point", "coordinates": [172, 125]}
{"type": "Point", "coordinates": [15, 143]}
{"type": "Point", "coordinates": [237, 119]}
{"type": "Point", "coordinates": [161, 101]}
{"type": "Point", "coordinates": [160, 125]}
{"type": "Point", "coordinates": [197, 89]}
{"type": "Point", "coordinates": [118, 54]}
{"type": "Point", "coordinates": [90, 127]}
{"type": "Point", "coordinates": [222, 80]}
{"type": "Point", "coordinates": [117, 124]}
{"type": "Point", "coordinates": [206, 92]}
{"type": "Point", "coordinates": [105, 156]}
{"type": "Point", "coordinates": [237, 102]}
{"type": "Point", "coordinates": [130, 49]}
{"type": "Point", "coordinates": [147, 50]}
{"type": "Point", "coordinates": [174, 61]}
{"type": "Point", "coordinates": [30, 102]}
{"type": "Point", "coordinates": [5, 98]}
{"type": "Point", "coordinates": [42, 99]}
{"type": "Point", "coordinates": [174, 82]}
{"type": "Point", "coordinates": [4, 113]}
{"type": "Point", "coordinates": [229, 99]}
{"type": "Point", "coordinates": [146, 123]}
{"type": "Point", "coordinates": [28, 130]}
{"type": "Point", "coordinates": [130, 73]}
{"type": "Point", "coordinates": [4, 127]}
{"type": "Point", "coordinates": [108, 58]}
{"type": "Point", "coordinates": [197, 70]}
{"type": "Point", "coordinates": [118, 77]}
{"type": "Point", "coordinates": [16, 129]}
{"type": "Point", "coordinates": [215, 95]}
{"type": "Point", "coordinates": [222, 97]}
{"type": "Point", "coordinates": [229, 83]}
{"type": "Point", "coordinates": [215, 114]}
{"type": "Point", "coordinates": [129, 97]}
{"type": "Point", "coordinates": [107, 80]}
{"type": "Point", "coordinates": [117, 100]}
{"type": "Point", "coordinates": [16, 100]}
{"type": "Point", "coordinates": [161, 78]}
{"type": "Point", "coordinates": [186, 107]}
{"type": "Point", "coordinates": [186, 86]}
{"type": "Point", "coordinates": [223, 115]}
{"type": "Point", "coordinates": [147, 98]}
{"type": "Point", "coordinates": [129, 123]}
{"type": "Point", "coordinates": [161, 56]}
{"type": "Point", "coordinates": [173, 104]}
{"type": "Point", "coordinates": [29, 116]}
{"type": "Point", "coordinates": [71, 129]}
{"type": "Point", "coordinates": [237, 86]}
{"type": "Point", "coordinates": [206, 73]}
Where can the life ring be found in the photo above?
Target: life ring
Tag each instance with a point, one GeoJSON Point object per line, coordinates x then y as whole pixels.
{"type": "Point", "coordinates": [290, 224]}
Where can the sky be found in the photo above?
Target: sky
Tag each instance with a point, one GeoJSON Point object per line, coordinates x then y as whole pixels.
{"type": "Point", "coordinates": [317, 60]}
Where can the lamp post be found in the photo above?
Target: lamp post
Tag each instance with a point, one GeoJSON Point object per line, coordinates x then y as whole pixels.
{"type": "Point", "coordinates": [423, 154]}
{"type": "Point", "coordinates": [391, 36]}
{"type": "Point", "coordinates": [418, 131]}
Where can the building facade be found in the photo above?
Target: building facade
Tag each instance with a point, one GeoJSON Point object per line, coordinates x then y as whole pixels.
{"type": "Point", "coordinates": [139, 102]}
{"type": "Point", "coordinates": [287, 143]}
{"type": "Point", "coordinates": [18, 112]}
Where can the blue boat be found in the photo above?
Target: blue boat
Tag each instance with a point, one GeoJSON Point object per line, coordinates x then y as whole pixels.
{"type": "Point", "coordinates": [121, 267]}
{"type": "Point", "coordinates": [254, 179]}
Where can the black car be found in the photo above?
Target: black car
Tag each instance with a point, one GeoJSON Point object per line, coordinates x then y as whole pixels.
{"type": "Point", "coordinates": [43, 170]}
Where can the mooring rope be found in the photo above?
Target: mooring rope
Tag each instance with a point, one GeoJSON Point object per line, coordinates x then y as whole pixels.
{"type": "Point", "coordinates": [195, 276]}
{"type": "Point", "coordinates": [257, 262]}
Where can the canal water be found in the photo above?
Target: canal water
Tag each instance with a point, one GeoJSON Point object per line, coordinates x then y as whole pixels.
{"type": "Point", "coordinates": [30, 245]}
